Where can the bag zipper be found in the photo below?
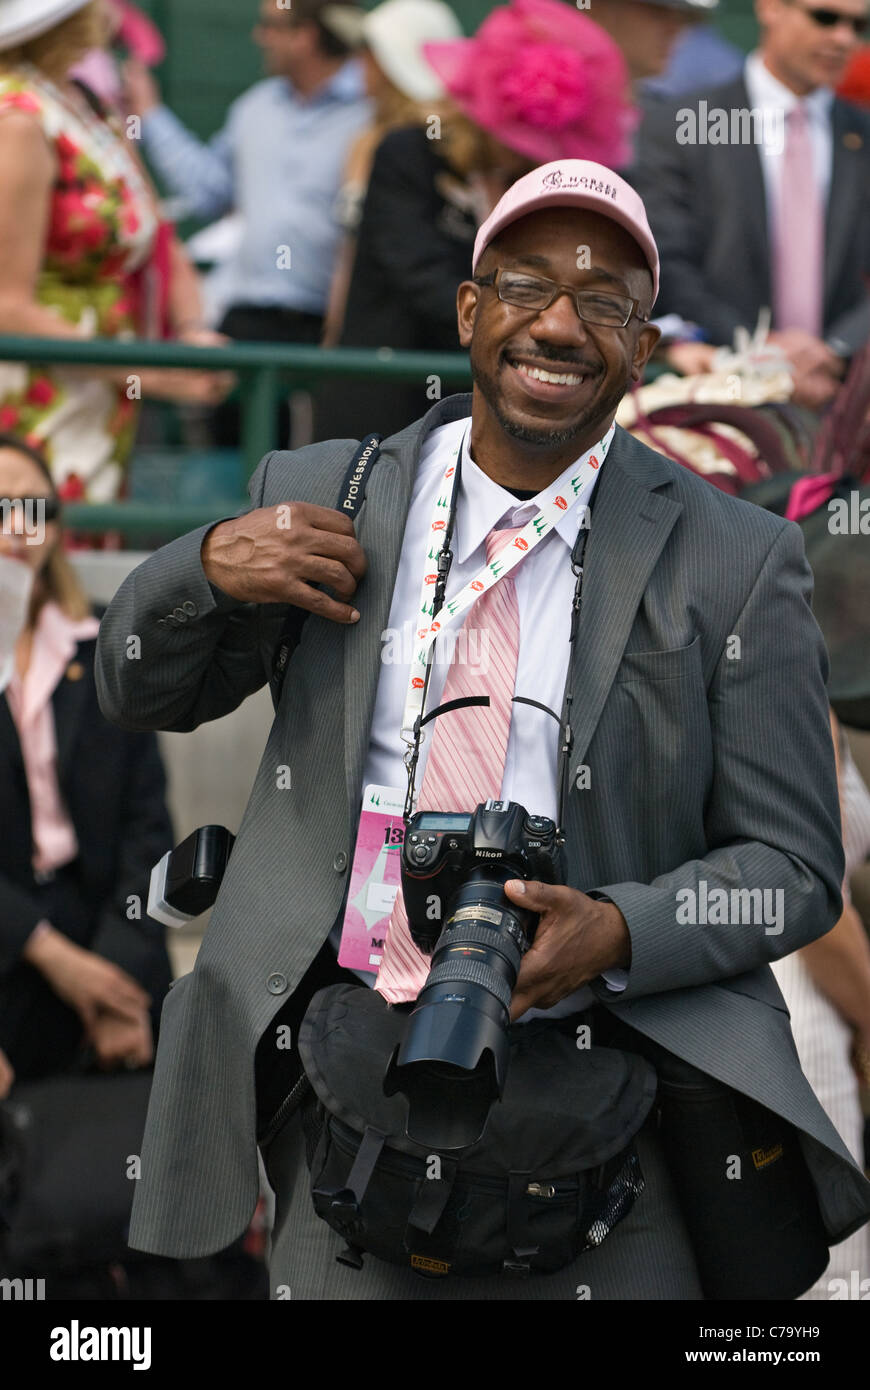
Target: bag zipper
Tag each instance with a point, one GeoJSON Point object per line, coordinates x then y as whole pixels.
{"type": "Point", "coordinates": [347, 1142]}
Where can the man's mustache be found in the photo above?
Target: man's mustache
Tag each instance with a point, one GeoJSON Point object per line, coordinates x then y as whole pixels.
{"type": "Point", "coordinates": [546, 352]}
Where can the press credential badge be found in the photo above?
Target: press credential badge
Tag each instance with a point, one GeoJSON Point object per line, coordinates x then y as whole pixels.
{"type": "Point", "coordinates": [375, 878]}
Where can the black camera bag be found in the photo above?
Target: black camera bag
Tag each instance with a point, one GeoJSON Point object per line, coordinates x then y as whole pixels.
{"type": "Point", "coordinates": [555, 1170]}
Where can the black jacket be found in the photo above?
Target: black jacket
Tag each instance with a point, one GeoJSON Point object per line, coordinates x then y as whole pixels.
{"type": "Point", "coordinates": [414, 246]}
{"type": "Point", "coordinates": [114, 785]}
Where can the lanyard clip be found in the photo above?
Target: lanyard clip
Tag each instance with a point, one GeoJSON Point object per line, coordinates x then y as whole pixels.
{"type": "Point", "coordinates": [445, 559]}
{"type": "Point", "coordinates": [413, 737]}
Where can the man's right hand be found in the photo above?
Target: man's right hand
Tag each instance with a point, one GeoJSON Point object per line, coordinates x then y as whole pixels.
{"type": "Point", "coordinates": [277, 555]}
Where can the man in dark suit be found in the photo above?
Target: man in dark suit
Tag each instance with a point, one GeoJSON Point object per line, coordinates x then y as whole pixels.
{"type": "Point", "coordinates": [758, 194]}
{"type": "Point", "coordinates": [700, 726]}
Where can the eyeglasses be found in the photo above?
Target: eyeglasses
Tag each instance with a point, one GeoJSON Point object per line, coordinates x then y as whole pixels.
{"type": "Point", "coordinates": [535, 292]}
{"type": "Point", "coordinates": [827, 19]}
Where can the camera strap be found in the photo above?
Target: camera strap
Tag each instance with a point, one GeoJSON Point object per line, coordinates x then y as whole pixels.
{"type": "Point", "coordinates": [436, 614]}
{"type": "Point", "coordinates": [350, 499]}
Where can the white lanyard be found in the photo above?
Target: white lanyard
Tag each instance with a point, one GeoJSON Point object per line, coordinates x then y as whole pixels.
{"type": "Point", "coordinates": [555, 503]}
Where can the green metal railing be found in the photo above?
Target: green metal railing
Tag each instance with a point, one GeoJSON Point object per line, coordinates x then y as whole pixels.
{"type": "Point", "coordinates": [264, 370]}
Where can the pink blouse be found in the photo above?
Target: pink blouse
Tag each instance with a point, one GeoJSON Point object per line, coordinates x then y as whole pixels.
{"type": "Point", "coordinates": [54, 644]}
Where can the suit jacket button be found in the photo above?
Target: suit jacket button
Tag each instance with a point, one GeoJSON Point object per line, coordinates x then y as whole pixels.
{"type": "Point", "coordinates": [190, 608]}
{"type": "Point", "coordinates": [180, 614]}
{"type": "Point", "coordinates": [277, 983]}
{"type": "Point", "coordinates": [169, 620]}
{"type": "Point", "coordinates": [339, 863]}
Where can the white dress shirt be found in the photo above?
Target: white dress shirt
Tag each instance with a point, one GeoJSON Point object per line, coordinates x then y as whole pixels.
{"type": "Point", "coordinates": [544, 587]}
{"type": "Point", "coordinates": [544, 584]}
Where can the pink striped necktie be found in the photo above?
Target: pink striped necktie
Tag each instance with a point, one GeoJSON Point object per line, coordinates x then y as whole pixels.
{"type": "Point", "coordinates": [467, 755]}
{"type": "Point", "coordinates": [799, 241]}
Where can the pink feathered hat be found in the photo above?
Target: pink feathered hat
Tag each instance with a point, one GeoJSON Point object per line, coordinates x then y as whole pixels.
{"type": "Point", "coordinates": [545, 80]}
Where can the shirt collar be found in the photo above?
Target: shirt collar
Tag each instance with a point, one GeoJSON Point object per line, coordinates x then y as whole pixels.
{"type": "Point", "coordinates": [55, 638]}
{"type": "Point", "coordinates": [484, 503]}
{"type": "Point", "coordinates": [61, 634]}
{"type": "Point", "coordinates": [763, 89]}
{"type": "Point", "coordinates": [348, 84]}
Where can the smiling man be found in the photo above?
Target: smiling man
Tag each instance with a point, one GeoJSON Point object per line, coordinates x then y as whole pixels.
{"type": "Point", "coordinates": [680, 643]}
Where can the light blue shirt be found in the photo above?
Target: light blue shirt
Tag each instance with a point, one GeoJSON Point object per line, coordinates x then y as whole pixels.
{"type": "Point", "coordinates": [278, 161]}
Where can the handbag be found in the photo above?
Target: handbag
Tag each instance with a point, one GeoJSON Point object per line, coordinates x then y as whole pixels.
{"type": "Point", "coordinates": [69, 1149]}
{"type": "Point", "coordinates": [553, 1174]}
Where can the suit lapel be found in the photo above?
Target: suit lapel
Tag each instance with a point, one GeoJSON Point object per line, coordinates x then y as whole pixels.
{"type": "Point", "coordinates": [380, 530]}
{"type": "Point", "coordinates": [630, 525]}
{"type": "Point", "coordinates": [845, 193]}
{"type": "Point", "coordinates": [10, 747]}
{"type": "Point", "coordinates": [69, 701]}
{"type": "Point", "coordinates": [746, 176]}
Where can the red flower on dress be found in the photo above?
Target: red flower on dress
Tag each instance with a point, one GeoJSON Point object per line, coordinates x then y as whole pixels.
{"type": "Point", "coordinates": [40, 392]}
{"type": "Point", "coordinates": [22, 101]}
{"type": "Point", "coordinates": [9, 417]}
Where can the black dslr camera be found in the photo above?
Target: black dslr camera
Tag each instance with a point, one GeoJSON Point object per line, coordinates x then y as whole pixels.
{"type": "Point", "coordinates": [453, 1061]}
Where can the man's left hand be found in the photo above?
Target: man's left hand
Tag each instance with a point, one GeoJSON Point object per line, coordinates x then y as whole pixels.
{"type": "Point", "coordinates": [577, 938]}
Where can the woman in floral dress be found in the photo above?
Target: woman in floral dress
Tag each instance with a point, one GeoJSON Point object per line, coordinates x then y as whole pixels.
{"type": "Point", "coordinates": [82, 253]}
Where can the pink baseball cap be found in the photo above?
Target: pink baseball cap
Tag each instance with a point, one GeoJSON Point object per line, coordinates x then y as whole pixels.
{"type": "Point", "coordinates": [577, 183]}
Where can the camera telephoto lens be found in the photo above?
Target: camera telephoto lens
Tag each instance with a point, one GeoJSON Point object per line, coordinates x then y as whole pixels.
{"type": "Point", "coordinates": [453, 1061]}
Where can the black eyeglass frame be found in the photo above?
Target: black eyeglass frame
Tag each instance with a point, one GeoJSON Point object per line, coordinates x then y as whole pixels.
{"type": "Point", "coordinates": [492, 281]}
{"type": "Point", "coordinates": [828, 19]}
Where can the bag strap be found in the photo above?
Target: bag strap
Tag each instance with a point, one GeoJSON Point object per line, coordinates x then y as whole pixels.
{"type": "Point", "coordinates": [350, 499]}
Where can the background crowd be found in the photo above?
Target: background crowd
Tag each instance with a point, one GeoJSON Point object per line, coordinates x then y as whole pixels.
{"type": "Point", "coordinates": [337, 206]}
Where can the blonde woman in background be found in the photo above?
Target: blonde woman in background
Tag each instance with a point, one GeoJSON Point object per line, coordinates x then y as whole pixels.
{"type": "Point", "coordinates": [404, 90]}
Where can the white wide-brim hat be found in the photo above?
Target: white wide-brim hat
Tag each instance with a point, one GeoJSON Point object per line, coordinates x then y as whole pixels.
{"type": "Point", "coordinates": [23, 20]}
{"type": "Point", "coordinates": [395, 32]}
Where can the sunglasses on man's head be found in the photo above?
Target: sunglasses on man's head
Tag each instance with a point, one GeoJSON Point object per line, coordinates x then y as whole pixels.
{"type": "Point", "coordinates": [826, 19]}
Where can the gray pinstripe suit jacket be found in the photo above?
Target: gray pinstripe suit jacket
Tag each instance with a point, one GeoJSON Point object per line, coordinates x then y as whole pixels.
{"type": "Point", "coordinates": [702, 766]}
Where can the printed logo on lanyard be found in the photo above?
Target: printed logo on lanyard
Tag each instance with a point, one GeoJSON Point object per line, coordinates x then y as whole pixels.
{"type": "Point", "coordinates": [552, 507]}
